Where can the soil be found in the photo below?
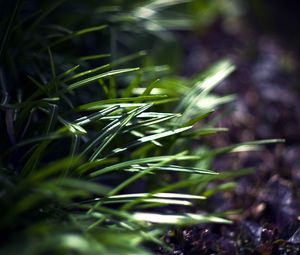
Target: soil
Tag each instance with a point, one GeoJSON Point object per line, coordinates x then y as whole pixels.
{"type": "Point", "coordinates": [267, 106]}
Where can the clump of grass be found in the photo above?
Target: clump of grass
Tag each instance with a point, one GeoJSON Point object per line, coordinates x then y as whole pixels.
{"type": "Point", "coordinates": [95, 157]}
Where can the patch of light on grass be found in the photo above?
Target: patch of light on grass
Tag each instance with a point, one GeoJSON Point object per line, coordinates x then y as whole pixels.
{"type": "Point", "coordinates": [144, 12]}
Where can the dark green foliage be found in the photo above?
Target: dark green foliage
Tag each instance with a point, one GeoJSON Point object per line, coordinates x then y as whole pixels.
{"type": "Point", "coordinates": [89, 147]}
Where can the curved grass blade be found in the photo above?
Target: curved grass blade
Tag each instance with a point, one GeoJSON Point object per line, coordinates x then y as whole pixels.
{"type": "Point", "coordinates": [76, 34]}
{"type": "Point", "coordinates": [141, 174]}
{"type": "Point", "coordinates": [93, 57]}
{"type": "Point", "coordinates": [95, 116]}
{"type": "Point", "coordinates": [173, 168]}
{"type": "Point", "coordinates": [54, 168]}
{"type": "Point", "coordinates": [117, 130]}
{"type": "Point", "coordinates": [111, 130]}
{"type": "Point", "coordinates": [123, 165]}
{"type": "Point", "coordinates": [245, 146]}
{"type": "Point", "coordinates": [179, 220]}
{"type": "Point", "coordinates": [89, 80]}
{"type": "Point", "coordinates": [119, 101]}
{"type": "Point", "coordinates": [88, 72]}
{"type": "Point", "coordinates": [149, 139]}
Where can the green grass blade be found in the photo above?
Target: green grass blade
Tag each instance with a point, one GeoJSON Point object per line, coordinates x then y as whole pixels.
{"type": "Point", "coordinates": [172, 168]}
{"type": "Point", "coordinates": [88, 72]}
{"type": "Point", "coordinates": [178, 220]}
{"type": "Point", "coordinates": [93, 57]}
{"type": "Point", "coordinates": [149, 138]}
{"type": "Point", "coordinates": [119, 101]}
{"type": "Point", "coordinates": [89, 80]}
{"type": "Point", "coordinates": [95, 116]}
{"type": "Point", "coordinates": [129, 163]}
{"type": "Point", "coordinates": [141, 174]}
{"type": "Point", "coordinates": [78, 33]}
{"type": "Point", "coordinates": [117, 130]}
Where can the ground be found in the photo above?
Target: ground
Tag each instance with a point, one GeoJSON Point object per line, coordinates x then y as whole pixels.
{"type": "Point", "coordinates": [268, 106]}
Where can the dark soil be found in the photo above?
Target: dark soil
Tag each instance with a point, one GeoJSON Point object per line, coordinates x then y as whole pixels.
{"type": "Point", "coordinates": [267, 106]}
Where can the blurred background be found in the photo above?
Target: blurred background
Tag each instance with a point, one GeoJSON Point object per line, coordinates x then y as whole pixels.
{"type": "Point", "coordinates": [262, 39]}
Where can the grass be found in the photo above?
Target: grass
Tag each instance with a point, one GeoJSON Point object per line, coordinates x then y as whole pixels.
{"type": "Point", "coordinates": [96, 158]}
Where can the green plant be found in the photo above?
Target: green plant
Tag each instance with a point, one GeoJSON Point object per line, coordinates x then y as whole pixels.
{"type": "Point", "coordinates": [79, 141]}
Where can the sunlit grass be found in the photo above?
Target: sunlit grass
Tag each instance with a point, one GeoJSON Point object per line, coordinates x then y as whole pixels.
{"type": "Point", "coordinates": [92, 153]}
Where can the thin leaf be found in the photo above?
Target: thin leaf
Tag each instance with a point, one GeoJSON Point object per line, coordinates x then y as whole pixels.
{"type": "Point", "coordinates": [186, 219]}
{"type": "Point", "coordinates": [118, 101]}
{"type": "Point", "coordinates": [117, 130]}
{"type": "Point", "coordinates": [173, 168]}
{"type": "Point", "coordinates": [78, 33]}
{"type": "Point", "coordinates": [128, 163]}
{"type": "Point", "coordinates": [141, 174]}
{"type": "Point", "coordinates": [149, 139]}
{"type": "Point", "coordinates": [89, 80]}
